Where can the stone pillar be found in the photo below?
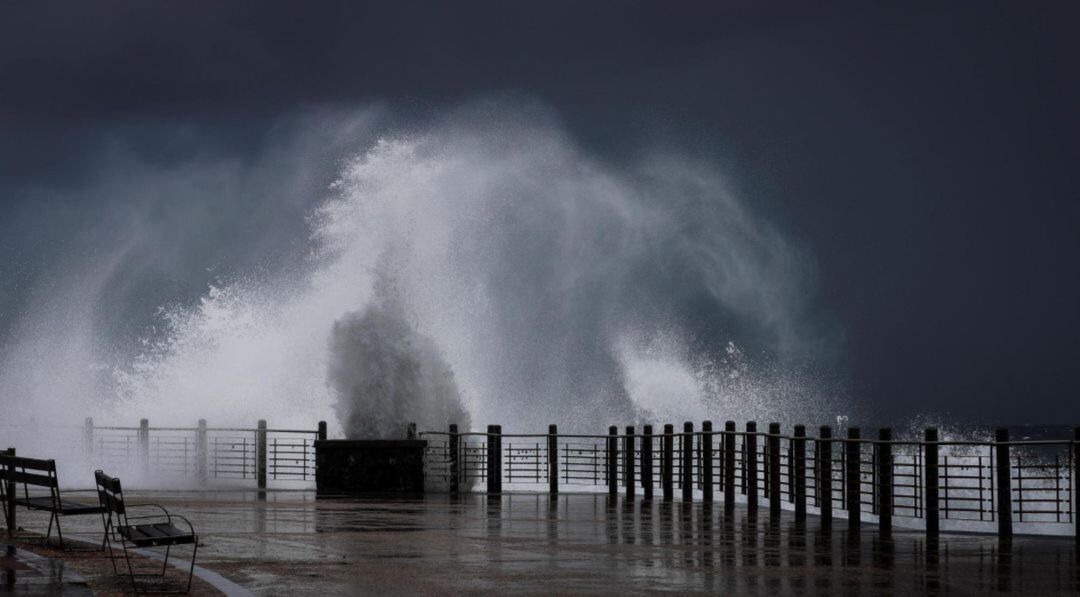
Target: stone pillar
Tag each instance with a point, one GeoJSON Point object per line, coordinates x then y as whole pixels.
{"type": "Point", "coordinates": [629, 479]}
{"type": "Point", "coordinates": [706, 461]}
{"type": "Point", "coordinates": [1004, 483]}
{"type": "Point", "coordinates": [553, 459]}
{"type": "Point", "coordinates": [201, 453]}
{"type": "Point", "coordinates": [774, 470]}
{"type": "Point", "coordinates": [852, 479]}
{"type": "Point", "coordinates": [261, 455]}
{"type": "Point", "coordinates": [12, 522]}
{"type": "Point", "coordinates": [647, 461]}
{"type": "Point", "coordinates": [686, 476]}
{"type": "Point", "coordinates": [750, 466]}
{"type": "Point", "coordinates": [885, 481]}
{"type": "Point", "coordinates": [729, 466]}
{"type": "Point", "coordinates": [498, 459]}
{"type": "Point", "coordinates": [669, 463]}
{"type": "Point", "coordinates": [930, 490]}
{"type": "Point", "coordinates": [144, 445]}
{"type": "Point", "coordinates": [1076, 484]}
{"type": "Point", "coordinates": [491, 457]}
{"type": "Point", "coordinates": [798, 476]}
{"type": "Point", "coordinates": [613, 461]}
{"type": "Point", "coordinates": [88, 438]}
{"type": "Point", "coordinates": [823, 446]}
{"type": "Point", "coordinates": [453, 449]}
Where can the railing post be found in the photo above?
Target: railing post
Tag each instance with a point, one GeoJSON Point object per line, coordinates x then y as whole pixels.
{"type": "Point", "coordinates": [706, 461]}
{"type": "Point", "coordinates": [613, 461]}
{"type": "Point", "coordinates": [88, 437]}
{"type": "Point", "coordinates": [647, 460]}
{"type": "Point", "coordinates": [321, 433]}
{"type": "Point", "coordinates": [930, 491]}
{"type": "Point", "coordinates": [1076, 485]}
{"type": "Point", "coordinates": [885, 481]}
{"type": "Point", "coordinates": [799, 474]}
{"type": "Point", "coordinates": [750, 466]}
{"type": "Point", "coordinates": [553, 459]}
{"type": "Point", "coordinates": [686, 470]}
{"type": "Point", "coordinates": [453, 448]}
{"type": "Point", "coordinates": [823, 462]}
{"type": "Point", "coordinates": [490, 459]}
{"type": "Point", "coordinates": [498, 459]}
{"type": "Point", "coordinates": [261, 456]}
{"type": "Point", "coordinates": [774, 470]}
{"type": "Point", "coordinates": [669, 463]}
{"type": "Point", "coordinates": [721, 461]}
{"type": "Point", "coordinates": [201, 453]}
{"type": "Point", "coordinates": [144, 445]}
{"type": "Point", "coordinates": [729, 466]}
{"type": "Point", "coordinates": [629, 479]}
{"type": "Point", "coordinates": [853, 478]}
{"type": "Point", "coordinates": [1004, 483]}
{"type": "Point", "coordinates": [10, 494]}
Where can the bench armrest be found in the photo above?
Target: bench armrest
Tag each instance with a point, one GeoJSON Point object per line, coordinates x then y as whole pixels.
{"type": "Point", "coordinates": [164, 513]}
{"type": "Point", "coordinates": [191, 529]}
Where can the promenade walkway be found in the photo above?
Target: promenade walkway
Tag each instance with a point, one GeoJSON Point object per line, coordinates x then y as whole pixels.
{"type": "Point", "coordinates": [26, 573]}
{"type": "Point", "coordinates": [290, 543]}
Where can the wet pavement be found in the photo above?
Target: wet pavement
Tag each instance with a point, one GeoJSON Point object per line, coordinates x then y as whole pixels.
{"type": "Point", "coordinates": [290, 542]}
{"type": "Point", "coordinates": [26, 573]}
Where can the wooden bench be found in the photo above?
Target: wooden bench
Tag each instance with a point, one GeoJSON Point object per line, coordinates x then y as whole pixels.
{"type": "Point", "coordinates": [39, 474]}
{"type": "Point", "coordinates": [155, 530]}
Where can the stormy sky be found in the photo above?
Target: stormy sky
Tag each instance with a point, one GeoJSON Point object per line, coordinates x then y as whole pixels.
{"type": "Point", "coordinates": [924, 156]}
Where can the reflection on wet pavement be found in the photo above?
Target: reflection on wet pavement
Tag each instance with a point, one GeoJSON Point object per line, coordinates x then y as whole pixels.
{"type": "Point", "coordinates": [26, 573]}
{"type": "Point", "coordinates": [591, 543]}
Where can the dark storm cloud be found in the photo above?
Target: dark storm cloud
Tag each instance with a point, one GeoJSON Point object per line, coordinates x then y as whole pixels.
{"type": "Point", "coordinates": [70, 69]}
{"type": "Point", "coordinates": [926, 154]}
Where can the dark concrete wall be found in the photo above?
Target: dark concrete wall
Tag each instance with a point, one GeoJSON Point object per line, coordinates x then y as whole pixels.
{"type": "Point", "coordinates": [359, 467]}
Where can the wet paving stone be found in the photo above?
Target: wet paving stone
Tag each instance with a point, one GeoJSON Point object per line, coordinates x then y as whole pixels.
{"type": "Point", "coordinates": [289, 542]}
{"type": "Point", "coordinates": [26, 573]}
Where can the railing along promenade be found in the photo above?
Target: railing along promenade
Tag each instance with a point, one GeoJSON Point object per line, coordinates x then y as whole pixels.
{"type": "Point", "coordinates": [202, 454]}
{"type": "Point", "coordinates": [952, 485]}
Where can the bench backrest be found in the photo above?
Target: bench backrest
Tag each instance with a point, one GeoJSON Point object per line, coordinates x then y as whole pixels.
{"type": "Point", "coordinates": [30, 472]}
{"type": "Point", "coordinates": [110, 494]}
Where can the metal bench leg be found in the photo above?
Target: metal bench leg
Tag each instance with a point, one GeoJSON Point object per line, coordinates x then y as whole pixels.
{"type": "Point", "coordinates": [107, 542]}
{"type": "Point", "coordinates": [191, 570]}
{"type": "Point", "coordinates": [48, 533]}
{"type": "Point", "coordinates": [131, 571]}
{"type": "Point", "coordinates": [59, 533]}
{"type": "Point", "coordinates": [112, 556]}
{"type": "Point", "coordinates": [105, 523]}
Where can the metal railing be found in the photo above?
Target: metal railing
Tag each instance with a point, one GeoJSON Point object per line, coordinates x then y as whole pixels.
{"type": "Point", "coordinates": [987, 485]}
{"type": "Point", "coordinates": [204, 454]}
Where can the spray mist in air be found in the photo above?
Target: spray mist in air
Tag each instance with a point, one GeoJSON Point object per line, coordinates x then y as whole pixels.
{"type": "Point", "coordinates": [489, 270]}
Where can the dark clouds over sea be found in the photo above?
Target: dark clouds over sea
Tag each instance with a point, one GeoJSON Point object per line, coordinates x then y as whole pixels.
{"type": "Point", "coordinates": [923, 155]}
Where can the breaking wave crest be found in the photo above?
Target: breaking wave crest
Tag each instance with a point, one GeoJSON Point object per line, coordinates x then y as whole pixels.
{"type": "Point", "coordinates": [531, 283]}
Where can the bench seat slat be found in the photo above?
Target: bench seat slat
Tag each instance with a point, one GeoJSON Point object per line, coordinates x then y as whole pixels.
{"type": "Point", "coordinates": [36, 503]}
{"type": "Point", "coordinates": [156, 534]}
{"type": "Point", "coordinates": [66, 507]}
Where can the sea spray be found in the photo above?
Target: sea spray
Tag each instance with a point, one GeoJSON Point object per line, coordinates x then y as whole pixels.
{"type": "Point", "coordinates": [385, 374]}
{"type": "Point", "coordinates": [556, 286]}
